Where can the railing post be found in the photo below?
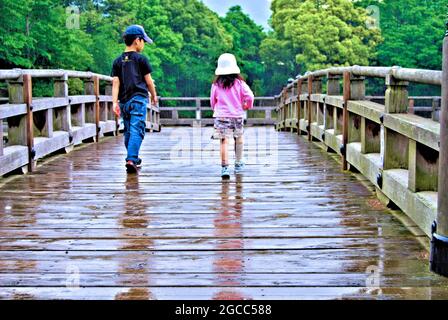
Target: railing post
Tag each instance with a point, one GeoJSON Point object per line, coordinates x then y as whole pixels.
{"type": "Point", "coordinates": [17, 131]}
{"type": "Point", "coordinates": [357, 87]}
{"type": "Point", "coordinates": [283, 109]}
{"type": "Point", "coordinates": [88, 109]}
{"type": "Point", "coordinates": [395, 147]}
{"type": "Point", "coordinates": [439, 242]}
{"type": "Point", "coordinates": [318, 114]}
{"type": "Point", "coordinates": [347, 96]}
{"type": "Point", "coordinates": [333, 86]}
{"type": "Point", "coordinates": [61, 86]}
{"type": "Point", "coordinates": [96, 88]}
{"type": "Point", "coordinates": [299, 103]}
{"type": "Point", "coordinates": [397, 100]}
{"type": "Point", "coordinates": [20, 128]}
{"type": "Point", "coordinates": [411, 106]}
{"type": "Point", "coordinates": [309, 108]}
{"type": "Point", "coordinates": [435, 109]}
{"type": "Point", "coordinates": [175, 115]}
{"type": "Point", "coordinates": [267, 115]}
{"type": "Point", "coordinates": [1, 137]}
{"type": "Point", "coordinates": [198, 110]}
{"type": "Point", "coordinates": [157, 116]}
{"type": "Point", "coordinates": [28, 97]}
{"type": "Point", "coordinates": [330, 112]}
{"type": "Point", "coordinates": [64, 115]}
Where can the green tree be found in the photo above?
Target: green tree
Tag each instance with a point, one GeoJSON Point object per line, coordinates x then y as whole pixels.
{"type": "Point", "coordinates": [279, 61]}
{"type": "Point", "coordinates": [34, 34]}
{"type": "Point", "coordinates": [247, 37]}
{"type": "Point", "coordinates": [412, 31]}
{"type": "Point", "coordinates": [323, 33]}
{"type": "Point", "coordinates": [204, 39]}
{"type": "Point", "coordinates": [13, 38]}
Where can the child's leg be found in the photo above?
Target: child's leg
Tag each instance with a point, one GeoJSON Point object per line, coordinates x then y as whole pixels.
{"type": "Point", "coordinates": [137, 131]}
{"type": "Point", "coordinates": [224, 152]}
{"type": "Point", "coordinates": [239, 147]}
{"type": "Point", "coordinates": [126, 132]}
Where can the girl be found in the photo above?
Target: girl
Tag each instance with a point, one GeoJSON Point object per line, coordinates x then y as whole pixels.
{"type": "Point", "coordinates": [230, 97]}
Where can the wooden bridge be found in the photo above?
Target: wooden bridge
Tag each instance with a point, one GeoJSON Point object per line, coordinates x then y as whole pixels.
{"type": "Point", "coordinates": [293, 226]}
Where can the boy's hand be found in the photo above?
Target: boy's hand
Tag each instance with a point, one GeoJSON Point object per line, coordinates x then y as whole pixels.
{"type": "Point", "coordinates": [117, 109]}
{"type": "Point", "coordinates": [154, 101]}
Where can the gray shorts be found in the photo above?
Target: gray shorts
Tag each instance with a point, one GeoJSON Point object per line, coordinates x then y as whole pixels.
{"type": "Point", "coordinates": [228, 128]}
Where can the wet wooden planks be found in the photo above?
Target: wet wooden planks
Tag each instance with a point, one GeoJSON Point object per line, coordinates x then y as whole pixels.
{"type": "Point", "coordinates": [293, 226]}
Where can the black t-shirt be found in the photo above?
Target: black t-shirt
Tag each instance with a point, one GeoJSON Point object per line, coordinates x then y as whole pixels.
{"type": "Point", "coordinates": [131, 68]}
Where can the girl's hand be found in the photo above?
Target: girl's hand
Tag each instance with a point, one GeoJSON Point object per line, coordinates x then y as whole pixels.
{"type": "Point", "coordinates": [245, 106]}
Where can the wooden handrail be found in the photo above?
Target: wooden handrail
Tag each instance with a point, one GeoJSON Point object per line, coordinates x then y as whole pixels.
{"type": "Point", "coordinates": [433, 77]}
{"type": "Point", "coordinates": [37, 127]}
{"type": "Point", "coordinates": [14, 74]}
{"type": "Point", "coordinates": [395, 149]}
{"type": "Point", "coordinates": [175, 120]}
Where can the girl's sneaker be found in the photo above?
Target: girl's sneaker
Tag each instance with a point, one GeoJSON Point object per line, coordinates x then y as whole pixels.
{"type": "Point", "coordinates": [225, 173]}
{"type": "Point", "coordinates": [239, 167]}
{"type": "Point", "coordinates": [139, 163]}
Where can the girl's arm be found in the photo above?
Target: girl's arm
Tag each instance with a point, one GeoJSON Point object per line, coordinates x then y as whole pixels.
{"type": "Point", "coordinates": [248, 97]}
{"type": "Point", "coordinates": [213, 97]}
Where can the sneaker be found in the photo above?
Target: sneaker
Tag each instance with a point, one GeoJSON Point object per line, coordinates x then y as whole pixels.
{"type": "Point", "coordinates": [131, 167]}
{"type": "Point", "coordinates": [239, 167]}
{"type": "Point", "coordinates": [139, 163]}
{"type": "Point", "coordinates": [225, 173]}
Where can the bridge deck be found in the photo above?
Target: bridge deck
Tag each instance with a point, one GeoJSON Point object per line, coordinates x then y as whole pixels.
{"type": "Point", "coordinates": [301, 230]}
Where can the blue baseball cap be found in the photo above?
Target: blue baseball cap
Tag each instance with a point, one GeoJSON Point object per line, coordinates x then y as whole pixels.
{"type": "Point", "coordinates": [138, 31]}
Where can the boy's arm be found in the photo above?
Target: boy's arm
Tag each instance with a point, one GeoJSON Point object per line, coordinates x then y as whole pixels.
{"type": "Point", "coordinates": [152, 89]}
{"type": "Point", "coordinates": [115, 90]}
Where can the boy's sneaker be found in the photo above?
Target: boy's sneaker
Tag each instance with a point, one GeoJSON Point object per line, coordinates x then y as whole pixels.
{"type": "Point", "coordinates": [239, 167]}
{"type": "Point", "coordinates": [139, 163]}
{"type": "Point", "coordinates": [131, 167]}
{"type": "Point", "coordinates": [225, 173]}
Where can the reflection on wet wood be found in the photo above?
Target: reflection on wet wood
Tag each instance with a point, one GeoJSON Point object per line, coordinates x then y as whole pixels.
{"type": "Point", "coordinates": [80, 228]}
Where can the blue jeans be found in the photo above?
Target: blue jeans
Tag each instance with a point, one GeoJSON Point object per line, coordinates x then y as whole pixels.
{"type": "Point", "coordinates": [133, 113]}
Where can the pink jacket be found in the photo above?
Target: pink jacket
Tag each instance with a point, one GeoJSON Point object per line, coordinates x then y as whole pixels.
{"type": "Point", "coordinates": [228, 103]}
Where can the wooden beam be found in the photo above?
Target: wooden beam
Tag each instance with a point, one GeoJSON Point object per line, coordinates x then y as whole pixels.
{"type": "Point", "coordinates": [333, 87]}
{"type": "Point", "coordinates": [439, 242]}
{"type": "Point", "coordinates": [442, 217]}
{"type": "Point", "coordinates": [198, 110]}
{"type": "Point", "coordinates": [96, 92]}
{"type": "Point", "coordinates": [310, 92]}
{"type": "Point", "coordinates": [28, 98]}
{"type": "Point", "coordinates": [299, 104]}
{"type": "Point", "coordinates": [1, 137]}
{"type": "Point", "coordinates": [347, 95]}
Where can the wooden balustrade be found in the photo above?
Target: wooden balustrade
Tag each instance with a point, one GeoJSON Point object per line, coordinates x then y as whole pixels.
{"type": "Point", "coordinates": [397, 150]}
{"type": "Point", "coordinates": [36, 127]}
{"type": "Point", "coordinates": [195, 108]}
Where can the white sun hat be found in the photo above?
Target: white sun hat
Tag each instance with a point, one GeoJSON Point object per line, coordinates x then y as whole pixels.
{"type": "Point", "coordinates": [227, 65]}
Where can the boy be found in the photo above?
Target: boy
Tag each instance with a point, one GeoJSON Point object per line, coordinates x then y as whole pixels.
{"type": "Point", "coordinates": [132, 79]}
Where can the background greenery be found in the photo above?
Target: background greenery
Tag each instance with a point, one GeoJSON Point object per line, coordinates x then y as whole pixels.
{"type": "Point", "coordinates": [189, 37]}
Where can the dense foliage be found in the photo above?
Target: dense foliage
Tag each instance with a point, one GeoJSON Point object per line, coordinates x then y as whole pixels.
{"type": "Point", "coordinates": [189, 37]}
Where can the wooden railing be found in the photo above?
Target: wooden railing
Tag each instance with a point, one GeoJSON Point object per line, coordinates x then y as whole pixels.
{"type": "Point", "coordinates": [396, 150]}
{"type": "Point", "coordinates": [32, 128]}
{"type": "Point", "coordinates": [196, 107]}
